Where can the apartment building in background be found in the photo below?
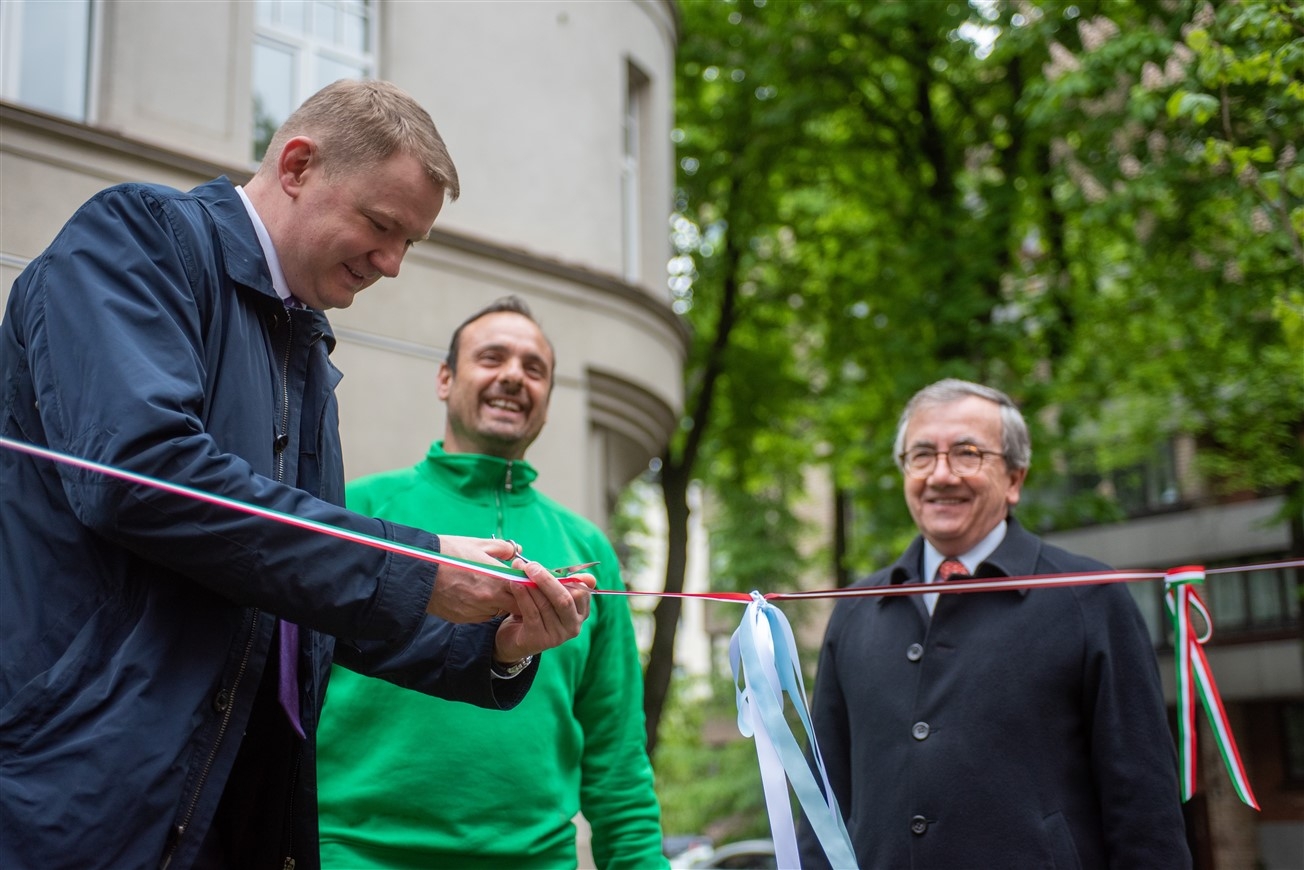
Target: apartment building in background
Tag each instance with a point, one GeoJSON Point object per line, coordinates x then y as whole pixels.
{"type": "Point", "coordinates": [557, 114]}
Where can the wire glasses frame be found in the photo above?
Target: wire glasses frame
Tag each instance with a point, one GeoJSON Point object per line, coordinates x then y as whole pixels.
{"type": "Point", "coordinates": [965, 460]}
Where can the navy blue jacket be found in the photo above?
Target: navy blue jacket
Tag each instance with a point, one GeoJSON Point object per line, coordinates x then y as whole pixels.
{"type": "Point", "coordinates": [1022, 730]}
{"type": "Point", "coordinates": [136, 625]}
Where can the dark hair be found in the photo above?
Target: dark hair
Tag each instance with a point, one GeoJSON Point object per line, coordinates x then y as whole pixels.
{"type": "Point", "coordinates": [510, 304]}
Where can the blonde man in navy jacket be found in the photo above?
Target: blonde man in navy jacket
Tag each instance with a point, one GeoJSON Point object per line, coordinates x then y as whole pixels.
{"type": "Point", "coordinates": [163, 659]}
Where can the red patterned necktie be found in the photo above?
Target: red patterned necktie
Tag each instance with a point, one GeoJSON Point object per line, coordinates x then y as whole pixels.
{"type": "Point", "coordinates": [951, 568]}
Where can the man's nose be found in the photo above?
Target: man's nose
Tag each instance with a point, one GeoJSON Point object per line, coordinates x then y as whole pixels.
{"type": "Point", "coordinates": [512, 373]}
{"type": "Point", "coordinates": [387, 260]}
{"type": "Point", "coordinates": [942, 470]}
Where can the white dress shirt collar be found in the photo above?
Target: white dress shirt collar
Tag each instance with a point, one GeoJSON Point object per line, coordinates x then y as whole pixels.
{"type": "Point", "coordinates": [971, 559]}
{"type": "Point", "coordinates": [269, 251]}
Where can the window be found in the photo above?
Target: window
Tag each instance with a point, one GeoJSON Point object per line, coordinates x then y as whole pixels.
{"type": "Point", "coordinates": [300, 46]}
{"type": "Point", "coordinates": [1145, 488]}
{"type": "Point", "coordinates": [1292, 728]}
{"type": "Point", "coordinates": [631, 175]}
{"type": "Point", "coordinates": [1263, 600]}
{"type": "Point", "coordinates": [46, 54]}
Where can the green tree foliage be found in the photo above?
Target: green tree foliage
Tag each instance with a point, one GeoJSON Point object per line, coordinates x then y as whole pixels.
{"type": "Point", "coordinates": [708, 786]}
{"type": "Point", "coordinates": [1181, 195]}
{"type": "Point", "coordinates": [846, 207]}
{"type": "Point", "coordinates": [1094, 206]}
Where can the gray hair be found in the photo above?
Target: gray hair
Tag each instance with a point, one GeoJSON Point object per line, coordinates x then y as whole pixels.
{"type": "Point", "coordinates": [1016, 445]}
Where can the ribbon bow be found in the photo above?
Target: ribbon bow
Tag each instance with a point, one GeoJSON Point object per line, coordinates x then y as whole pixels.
{"type": "Point", "coordinates": [764, 671]}
{"type": "Point", "coordinates": [1194, 675]}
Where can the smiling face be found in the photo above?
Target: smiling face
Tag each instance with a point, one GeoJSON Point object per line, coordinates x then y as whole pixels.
{"type": "Point", "coordinates": [955, 513]}
{"type": "Point", "coordinates": [498, 397]}
{"type": "Point", "coordinates": [342, 230]}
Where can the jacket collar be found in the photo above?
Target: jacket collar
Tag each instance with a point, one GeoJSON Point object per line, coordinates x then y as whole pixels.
{"type": "Point", "coordinates": [242, 255]}
{"type": "Point", "coordinates": [472, 474]}
{"type": "Point", "coordinates": [1016, 556]}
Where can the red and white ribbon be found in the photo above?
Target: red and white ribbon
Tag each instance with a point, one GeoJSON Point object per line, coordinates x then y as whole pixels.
{"type": "Point", "coordinates": [1193, 672]}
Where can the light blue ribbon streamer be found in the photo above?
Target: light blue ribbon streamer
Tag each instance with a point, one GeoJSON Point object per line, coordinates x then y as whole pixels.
{"type": "Point", "coordinates": [769, 670]}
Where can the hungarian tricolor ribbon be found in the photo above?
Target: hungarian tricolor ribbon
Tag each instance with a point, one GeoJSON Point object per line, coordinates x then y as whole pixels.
{"type": "Point", "coordinates": [500, 571]}
{"type": "Point", "coordinates": [774, 670]}
{"type": "Point", "coordinates": [1195, 676]}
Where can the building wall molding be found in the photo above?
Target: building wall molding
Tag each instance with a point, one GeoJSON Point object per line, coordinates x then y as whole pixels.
{"type": "Point", "coordinates": [124, 146]}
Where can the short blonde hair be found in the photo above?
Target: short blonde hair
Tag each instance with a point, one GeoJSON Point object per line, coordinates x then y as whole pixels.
{"type": "Point", "coordinates": [358, 124]}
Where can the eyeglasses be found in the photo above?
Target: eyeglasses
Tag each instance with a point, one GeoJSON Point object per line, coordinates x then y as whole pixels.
{"type": "Point", "coordinates": [964, 460]}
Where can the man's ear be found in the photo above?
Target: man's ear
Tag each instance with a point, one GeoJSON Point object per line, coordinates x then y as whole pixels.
{"type": "Point", "coordinates": [1016, 486]}
{"type": "Point", "coordinates": [444, 382]}
{"type": "Point", "coordinates": [297, 159]}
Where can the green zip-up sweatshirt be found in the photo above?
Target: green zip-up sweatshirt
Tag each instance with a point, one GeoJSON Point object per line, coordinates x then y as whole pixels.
{"type": "Point", "coordinates": [407, 780]}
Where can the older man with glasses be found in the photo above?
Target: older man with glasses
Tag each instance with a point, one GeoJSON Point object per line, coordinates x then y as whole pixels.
{"type": "Point", "coordinates": [1010, 729]}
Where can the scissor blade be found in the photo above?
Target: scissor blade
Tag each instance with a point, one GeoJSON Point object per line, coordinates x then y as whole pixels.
{"type": "Point", "coordinates": [573, 569]}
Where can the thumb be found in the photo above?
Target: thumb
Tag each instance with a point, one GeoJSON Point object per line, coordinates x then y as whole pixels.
{"type": "Point", "coordinates": [502, 550]}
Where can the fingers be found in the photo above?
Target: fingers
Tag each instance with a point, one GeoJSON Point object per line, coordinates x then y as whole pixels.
{"type": "Point", "coordinates": [569, 600]}
{"type": "Point", "coordinates": [483, 550]}
{"type": "Point", "coordinates": [539, 615]}
{"type": "Point", "coordinates": [545, 615]}
{"type": "Point", "coordinates": [461, 595]}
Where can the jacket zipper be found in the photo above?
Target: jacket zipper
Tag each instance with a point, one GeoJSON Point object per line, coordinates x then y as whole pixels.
{"type": "Point", "coordinates": [498, 498]}
{"type": "Point", "coordinates": [289, 862]}
{"type": "Point", "coordinates": [283, 437]}
{"type": "Point", "coordinates": [282, 442]}
{"type": "Point", "coordinates": [180, 829]}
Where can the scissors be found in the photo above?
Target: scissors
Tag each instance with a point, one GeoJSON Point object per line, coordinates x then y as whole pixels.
{"type": "Point", "coordinates": [573, 569]}
{"type": "Point", "coordinates": [558, 572]}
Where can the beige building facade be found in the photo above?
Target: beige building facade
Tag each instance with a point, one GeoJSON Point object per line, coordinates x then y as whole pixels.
{"type": "Point", "coordinates": [558, 115]}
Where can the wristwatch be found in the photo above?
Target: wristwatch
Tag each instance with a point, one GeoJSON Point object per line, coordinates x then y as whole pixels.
{"type": "Point", "coordinates": [506, 672]}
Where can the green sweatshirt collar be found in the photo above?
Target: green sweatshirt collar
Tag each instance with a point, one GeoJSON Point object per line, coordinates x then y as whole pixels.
{"type": "Point", "coordinates": [471, 474]}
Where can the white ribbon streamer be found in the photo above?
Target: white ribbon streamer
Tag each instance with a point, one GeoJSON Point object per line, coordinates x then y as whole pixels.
{"type": "Point", "coordinates": [763, 671]}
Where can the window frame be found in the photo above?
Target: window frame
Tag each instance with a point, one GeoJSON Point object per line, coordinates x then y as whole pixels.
{"type": "Point", "coordinates": [13, 51]}
{"type": "Point", "coordinates": [307, 52]}
{"type": "Point", "coordinates": [633, 167]}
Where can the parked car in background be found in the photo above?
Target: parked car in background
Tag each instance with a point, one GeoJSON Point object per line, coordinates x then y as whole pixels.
{"type": "Point", "coordinates": [698, 853]}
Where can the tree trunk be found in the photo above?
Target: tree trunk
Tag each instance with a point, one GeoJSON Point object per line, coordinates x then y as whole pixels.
{"type": "Point", "coordinates": [841, 503]}
{"type": "Point", "coordinates": [676, 473]}
{"type": "Point", "coordinates": [665, 618]}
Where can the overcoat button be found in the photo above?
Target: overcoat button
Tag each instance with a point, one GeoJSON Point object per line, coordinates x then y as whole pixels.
{"type": "Point", "coordinates": [919, 731]}
{"type": "Point", "coordinates": [918, 825]}
{"type": "Point", "coordinates": [914, 652]}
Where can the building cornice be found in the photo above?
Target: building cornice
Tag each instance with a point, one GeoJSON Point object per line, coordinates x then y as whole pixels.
{"type": "Point", "coordinates": [117, 143]}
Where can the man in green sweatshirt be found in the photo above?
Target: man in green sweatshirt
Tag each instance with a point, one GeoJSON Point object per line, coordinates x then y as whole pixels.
{"type": "Point", "coordinates": [501, 788]}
